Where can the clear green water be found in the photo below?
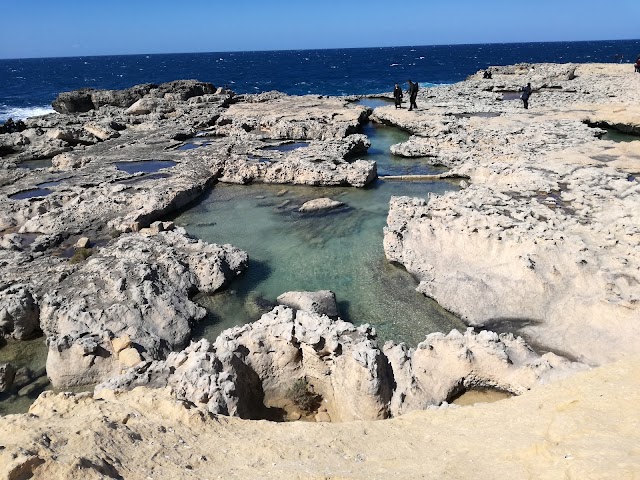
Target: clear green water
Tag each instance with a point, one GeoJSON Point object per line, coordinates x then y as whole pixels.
{"type": "Point", "coordinates": [617, 136]}
{"type": "Point", "coordinates": [382, 137]}
{"type": "Point", "coordinates": [340, 251]}
{"type": "Point", "coordinates": [31, 354]}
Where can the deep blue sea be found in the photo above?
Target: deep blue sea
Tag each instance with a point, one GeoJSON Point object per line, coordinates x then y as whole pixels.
{"type": "Point", "coordinates": [27, 86]}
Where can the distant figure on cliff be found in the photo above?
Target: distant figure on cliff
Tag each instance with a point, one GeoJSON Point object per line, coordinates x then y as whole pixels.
{"type": "Point", "coordinates": [637, 64]}
{"type": "Point", "coordinates": [487, 73]}
{"type": "Point", "coordinates": [397, 96]}
{"type": "Point", "coordinates": [524, 96]}
{"type": "Point", "coordinates": [413, 94]}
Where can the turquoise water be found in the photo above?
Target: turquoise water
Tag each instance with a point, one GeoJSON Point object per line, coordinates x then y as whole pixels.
{"type": "Point", "coordinates": [340, 251]}
{"type": "Point", "coordinates": [382, 137]}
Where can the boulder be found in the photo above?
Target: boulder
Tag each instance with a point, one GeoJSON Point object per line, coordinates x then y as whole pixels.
{"type": "Point", "coordinates": [322, 302]}
{"type": "Point", "coordinates": [83, 242]}
{"type": "Point", "coordinates": [103, 131]}
{"type": "Point", "coordinates": [144, 106]}
{"type": "Point", "coordinates": [7, 374]}
{"type": "Point", "coordinates": [320, 204]}
{"type": "Point", "coordinates": [19, 312]}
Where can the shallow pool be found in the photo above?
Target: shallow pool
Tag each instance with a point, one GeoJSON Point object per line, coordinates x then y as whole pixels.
{"type": "Point", "coordinates": [144, 166]}
{"type": "Point", "coordinates": [340, 250]}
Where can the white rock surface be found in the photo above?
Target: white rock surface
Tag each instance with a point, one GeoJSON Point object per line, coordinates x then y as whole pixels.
{"type": "Point", "coordinates": [320, 204]}
{"type": "Point", "coordinates": [140, 286]}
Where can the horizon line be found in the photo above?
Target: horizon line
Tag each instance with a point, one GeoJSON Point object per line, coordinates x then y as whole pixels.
{"type": "Point", "coordinates": [315, 49]}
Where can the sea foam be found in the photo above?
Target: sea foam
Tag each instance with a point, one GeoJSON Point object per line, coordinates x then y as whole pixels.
{"type": "Point", "coordinates": [20, 113]}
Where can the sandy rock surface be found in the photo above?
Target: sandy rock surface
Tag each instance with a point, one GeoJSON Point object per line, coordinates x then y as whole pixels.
{"type": "Point", "coordinates": [582, 427]}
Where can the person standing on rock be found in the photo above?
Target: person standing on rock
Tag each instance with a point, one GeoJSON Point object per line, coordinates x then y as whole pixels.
{"type": "Point", "coordinates": [397, 95]}
{"type": "Point", "coordinates": [413, 94]}
{"type": "Point", "coordinates": [524, 96]}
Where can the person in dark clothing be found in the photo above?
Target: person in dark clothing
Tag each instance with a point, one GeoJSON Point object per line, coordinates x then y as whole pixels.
{"type": "Point", "coordinates": [524, 96]}
{"type": "Point", "coordinates": [487, 73]}
{"type": "Point", "coordinates": [637, 64]}
{"type": "Point", "coordinates": [397, 95]}
{"type": "Point", "coordinates": [413, 94]}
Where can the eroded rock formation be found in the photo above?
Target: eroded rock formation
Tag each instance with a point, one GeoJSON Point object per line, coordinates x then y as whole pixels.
{"type": "Point", "coordinates": [138, 288]}
{"type": "Point", "coordinates": [543, 239]}
{"type": "Point", "coordinates": [249, 371]}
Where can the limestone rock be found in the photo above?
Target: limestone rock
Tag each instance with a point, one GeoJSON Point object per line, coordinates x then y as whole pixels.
{"type": "Point", "coordinates": [102, 132]}
{"type": "Point", "coordinates": [7, 374]}
{"type": "Point", "coordinates": [120, 98]}
{"type": "Point", "coordinates": [444, 366]}
{"type": "Point", "coordinates": [139, 287]}
{"type": "Point", "coordinates": [120, 343]}
{"type": "Point", "coordinates": [80, 436]}
{"type": "Point", "coordinates": [260, 362]}
{"type": "Point", "coordinates": [129, 357]}
{"type": "Point", "coordinates": [322, 302]}
{"type": "Point", "coordinates": [74, 102]}
{"type": "Point", "coordinates": [19, 312]}
{"type": "Point", "coordinates": [83, 242]}
{"type": "Point", "coordinates": [145, 106]}
{"type": "Point", "coordinates": [320, 204]}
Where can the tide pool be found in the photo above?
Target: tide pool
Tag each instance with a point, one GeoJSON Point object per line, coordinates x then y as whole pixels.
{"type": "Point", "coordinates": [339, 250]}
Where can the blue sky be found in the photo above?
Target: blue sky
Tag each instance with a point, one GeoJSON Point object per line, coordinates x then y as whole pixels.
{"type": "Point", "coordinates": [48, 28]}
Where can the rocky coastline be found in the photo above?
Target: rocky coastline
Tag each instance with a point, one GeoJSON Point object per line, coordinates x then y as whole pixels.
{"type": "Point", "coordinates": [541, 242]}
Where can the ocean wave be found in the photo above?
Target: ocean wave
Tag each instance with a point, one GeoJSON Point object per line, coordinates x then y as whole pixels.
{"type": "Point", "coordinates": [21, 113]}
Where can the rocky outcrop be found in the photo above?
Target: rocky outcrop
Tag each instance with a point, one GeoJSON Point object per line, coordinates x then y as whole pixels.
{"type": "Point", "coordinates": [139, 287]}
{"type": "Point", "coordinates": [538, 241]}
{"type": "Point", "coordinates": [77, 101]}
{"type": "Point", "coordinates": [84, 100]}
{"type": "Point", "coordinates": [444, 366]}
{"type": "Point", "coordinates": [19, 312]}
{"type": "Point", "coordinates": [300, 118]}
{"type": "Point", "coordinates": [250, 370]}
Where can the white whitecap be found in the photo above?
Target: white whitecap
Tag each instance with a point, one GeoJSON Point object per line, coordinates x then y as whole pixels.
{"type": "Point", "coordinates": [21, 113]}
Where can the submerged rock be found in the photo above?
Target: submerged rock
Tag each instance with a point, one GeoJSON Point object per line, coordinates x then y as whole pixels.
{"type": "Point", "coordinates": [320, 204]}
{"type": "Point", "coordinates": [322, 302]}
